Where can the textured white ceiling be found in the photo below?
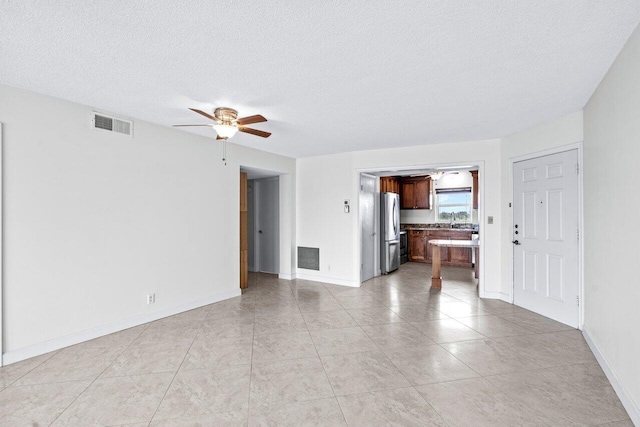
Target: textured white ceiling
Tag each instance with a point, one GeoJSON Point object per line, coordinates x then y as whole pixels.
{"type": "Point", "coordinates": [331, 76]}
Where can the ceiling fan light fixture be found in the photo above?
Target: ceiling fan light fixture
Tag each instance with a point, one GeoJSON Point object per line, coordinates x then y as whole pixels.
{"type": "Point", "coordinates": [225, 131]}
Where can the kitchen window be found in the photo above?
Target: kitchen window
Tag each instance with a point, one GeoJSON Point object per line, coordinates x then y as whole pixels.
{"type": "Point", "coordinates": [454, 201]}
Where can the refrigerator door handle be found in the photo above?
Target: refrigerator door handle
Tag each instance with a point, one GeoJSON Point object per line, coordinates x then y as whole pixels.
{"type": "Point", "coordinates": [395, 229]}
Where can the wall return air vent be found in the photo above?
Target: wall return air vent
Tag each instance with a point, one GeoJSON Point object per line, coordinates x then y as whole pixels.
{"type": "Point", "coordinates": [111, 124]}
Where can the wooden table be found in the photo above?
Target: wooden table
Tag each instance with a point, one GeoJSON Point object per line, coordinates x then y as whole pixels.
{"type": "Point", "coordinates": [436, 280]}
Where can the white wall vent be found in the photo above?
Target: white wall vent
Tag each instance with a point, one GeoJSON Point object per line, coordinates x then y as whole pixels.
{"type": "Point", "coordinates": [111, 124]}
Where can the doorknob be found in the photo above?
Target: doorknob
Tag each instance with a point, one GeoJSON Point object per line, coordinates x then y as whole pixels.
{"type": "Point", "coordinates": [260, 231]}
{"type": "Point", "coordinates": [515, 242]}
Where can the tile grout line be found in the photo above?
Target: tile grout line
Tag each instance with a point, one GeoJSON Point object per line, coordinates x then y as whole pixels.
{"type": "Point", "coordinates": [177, 371]}
{"type": "Point", "coordinates": [324, 369]}
{"type": "Point", "coordinates": [99, 375]}
{"type": "Point", "coordinates": [253, 337]}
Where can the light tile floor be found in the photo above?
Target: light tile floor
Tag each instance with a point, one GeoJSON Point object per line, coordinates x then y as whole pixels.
{"type": "Point", "coordinates": [305, 353]}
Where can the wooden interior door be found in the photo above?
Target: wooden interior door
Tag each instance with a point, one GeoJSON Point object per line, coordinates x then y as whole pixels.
{"type": "Point", "coordinates": [244, 247]}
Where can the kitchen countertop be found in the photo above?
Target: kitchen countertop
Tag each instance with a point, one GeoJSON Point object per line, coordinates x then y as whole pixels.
{"type": "Point", "coordinates": [455, 243]}
{"type": "Point", "coordinates": [434, 227]}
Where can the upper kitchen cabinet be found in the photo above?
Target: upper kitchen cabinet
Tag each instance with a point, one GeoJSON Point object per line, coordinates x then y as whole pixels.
{"type": "Point", "coordinates": [474, 191]}
{"type": "Point", "coordinates": [389, 184]}
{"type": "Point", "coordinates": [415, 192]}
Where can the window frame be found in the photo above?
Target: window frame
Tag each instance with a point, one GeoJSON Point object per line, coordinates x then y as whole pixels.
{"type": "Point", "coordinates": [468, 206]}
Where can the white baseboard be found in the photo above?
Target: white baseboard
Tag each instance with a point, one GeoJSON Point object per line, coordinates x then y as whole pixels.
{"type": "Point", "coordinates": [491, 295]}
{"type": "Point", "coordinates": [506, 298]}
{"type": "Point", "coordinates": [286, 276]}
{"type": "Point", "coordinates": [58, 343]}
{"type": "Point", "coordinates": [330, 280]}
{"type": "Point", "coordinates": [631, 407]}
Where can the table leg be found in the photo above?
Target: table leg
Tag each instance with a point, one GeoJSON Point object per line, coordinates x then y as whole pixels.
{"type": "Point", "coordinates": [477, 251]}
{"type": "Point", "coordinates": [436, 280]}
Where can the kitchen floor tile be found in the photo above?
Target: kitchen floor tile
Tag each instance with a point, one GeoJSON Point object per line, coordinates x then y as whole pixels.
{"type": "Point", "coordinates": [447, 330]}
{"type": "Point", "coordinates": [329, 320]}
{"type": "Point", "coordinates": [210, 353]}
{"type": "Point", "coordinates": [428, 364]}
{"type": "Point", "coordinates": [403, 407]}
{"type": "Point", "coordinates": [476, 402]}
{"type": "Point", "coordinates": [493, 326]}
{"type": "Point", "coordinates": [361, 372]}
{"type": "Point", "coordinates": [418, 313]}
{"type": "Point", "coordinates": [39, 404]}
{"type": "Point", "coordinates": [269, 348]}
{"type": "Point", "coordinates": [117, 401]}
{"type": "Point", "coordinates": [396, 335]}
{"type": "Point", "coordinates": [341, 341]}
{"type": "Point", "coordinates": [204, 392]}
{"type": "Point", "coordinates": [317, 413]}
{"type": "Point", "coordinates": [279, 323]}
{"type": "Point", "coordinates": [487, 357]}
{"type": "Point", "coordinates": [289, 381]}
{"type": "Point", "coordinates": [543, 391]}
{"type": "Point", "coordinates": [374, 316]}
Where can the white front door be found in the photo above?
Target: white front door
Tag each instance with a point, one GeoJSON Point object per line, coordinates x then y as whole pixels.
{"type": "Point", "coordinates": [545, 236]}
{"type": "Point", "coordinates": [367, 205]}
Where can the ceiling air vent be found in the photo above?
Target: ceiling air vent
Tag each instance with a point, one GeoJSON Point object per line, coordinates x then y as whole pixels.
{"type": "Point", "coordinates": [111, 124]}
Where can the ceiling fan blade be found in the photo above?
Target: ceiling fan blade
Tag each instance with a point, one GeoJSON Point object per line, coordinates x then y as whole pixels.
{"type": "Point", "coordinates": [207, 115]}
{"type": "Point", "coordinates": [254, 132]}
{"type": "Point", "coordinates": [251, 119]}
{"type": "Point", "coordinates": [190, 125]}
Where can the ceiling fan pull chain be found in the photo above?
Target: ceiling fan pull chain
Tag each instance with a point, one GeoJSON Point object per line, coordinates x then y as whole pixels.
{"type": "Point", "coordinates": [224, 151]}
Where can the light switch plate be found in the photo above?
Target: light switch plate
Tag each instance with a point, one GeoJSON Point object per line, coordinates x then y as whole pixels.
{"type": "Point", "coordinates": [489, 220]}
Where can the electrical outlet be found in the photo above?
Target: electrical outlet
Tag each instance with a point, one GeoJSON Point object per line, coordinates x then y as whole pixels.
{"type": "Point", "coordinates": [328, 267]}
{"type": "Point", "coordinates": [151, 298]}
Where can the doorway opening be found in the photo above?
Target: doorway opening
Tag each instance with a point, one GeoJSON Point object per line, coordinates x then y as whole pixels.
{"type": "Point", "coordinates": [437, 201]}
{"type": "Point", "coordinates": [263, 225]}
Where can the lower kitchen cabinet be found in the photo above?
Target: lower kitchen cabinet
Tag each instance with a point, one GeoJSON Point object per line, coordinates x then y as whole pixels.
{"type": "Point", "coordinates": [418, 245]}
{"type": "Point", "coordinates": [421, 251]}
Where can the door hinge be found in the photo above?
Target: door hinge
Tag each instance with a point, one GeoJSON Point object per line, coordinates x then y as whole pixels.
{"type": "Point", "coordinates": [362, 187]}
{"type": "Point", "coordinates": [361, 266]}
{"type": "Point", "coordinates": [578, 300]}
{"type": "Point", "coordinates": [578, 234]}
{"type": "Point", "coordinates": [577, 168]}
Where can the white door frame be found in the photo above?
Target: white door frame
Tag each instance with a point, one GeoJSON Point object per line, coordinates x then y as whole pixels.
{"type": "Point", "coordinates": [1, 250]}
{"type": "Point", "coordinates": [481, 210]}
{"type": "Point", "coordinates": [575, 146]}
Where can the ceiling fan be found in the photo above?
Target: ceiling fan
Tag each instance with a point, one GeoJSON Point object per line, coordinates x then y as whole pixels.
{"type": "Point", "coordinates": [226, 123]}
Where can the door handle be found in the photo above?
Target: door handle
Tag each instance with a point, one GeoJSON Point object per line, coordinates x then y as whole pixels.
{"type": "Point", "coordinates": [260, 231]}
{"type": "Point", "coordinates": [515, 242]}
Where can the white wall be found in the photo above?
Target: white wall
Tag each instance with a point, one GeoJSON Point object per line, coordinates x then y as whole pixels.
{"type": "Point", "coordinates": [324, 182]}
{"type": "Point", "coordinates": [611, 155]}
{"type": "Point", "coordinates": [559, 132]}
{"type": "Point", "coordinates": [94, 221]}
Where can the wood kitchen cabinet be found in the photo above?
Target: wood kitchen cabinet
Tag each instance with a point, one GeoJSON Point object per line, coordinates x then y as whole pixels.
{"type": "Point", "coordinates": [415, 192]}
{"type": "Point", "coordinates": [389, 184]}
{"type": "Point", "coordinates": [418, 245]}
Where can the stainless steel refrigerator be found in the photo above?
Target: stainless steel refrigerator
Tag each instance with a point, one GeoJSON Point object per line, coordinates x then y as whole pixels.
{"type": "Point", "coordinates": [389, 232]}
